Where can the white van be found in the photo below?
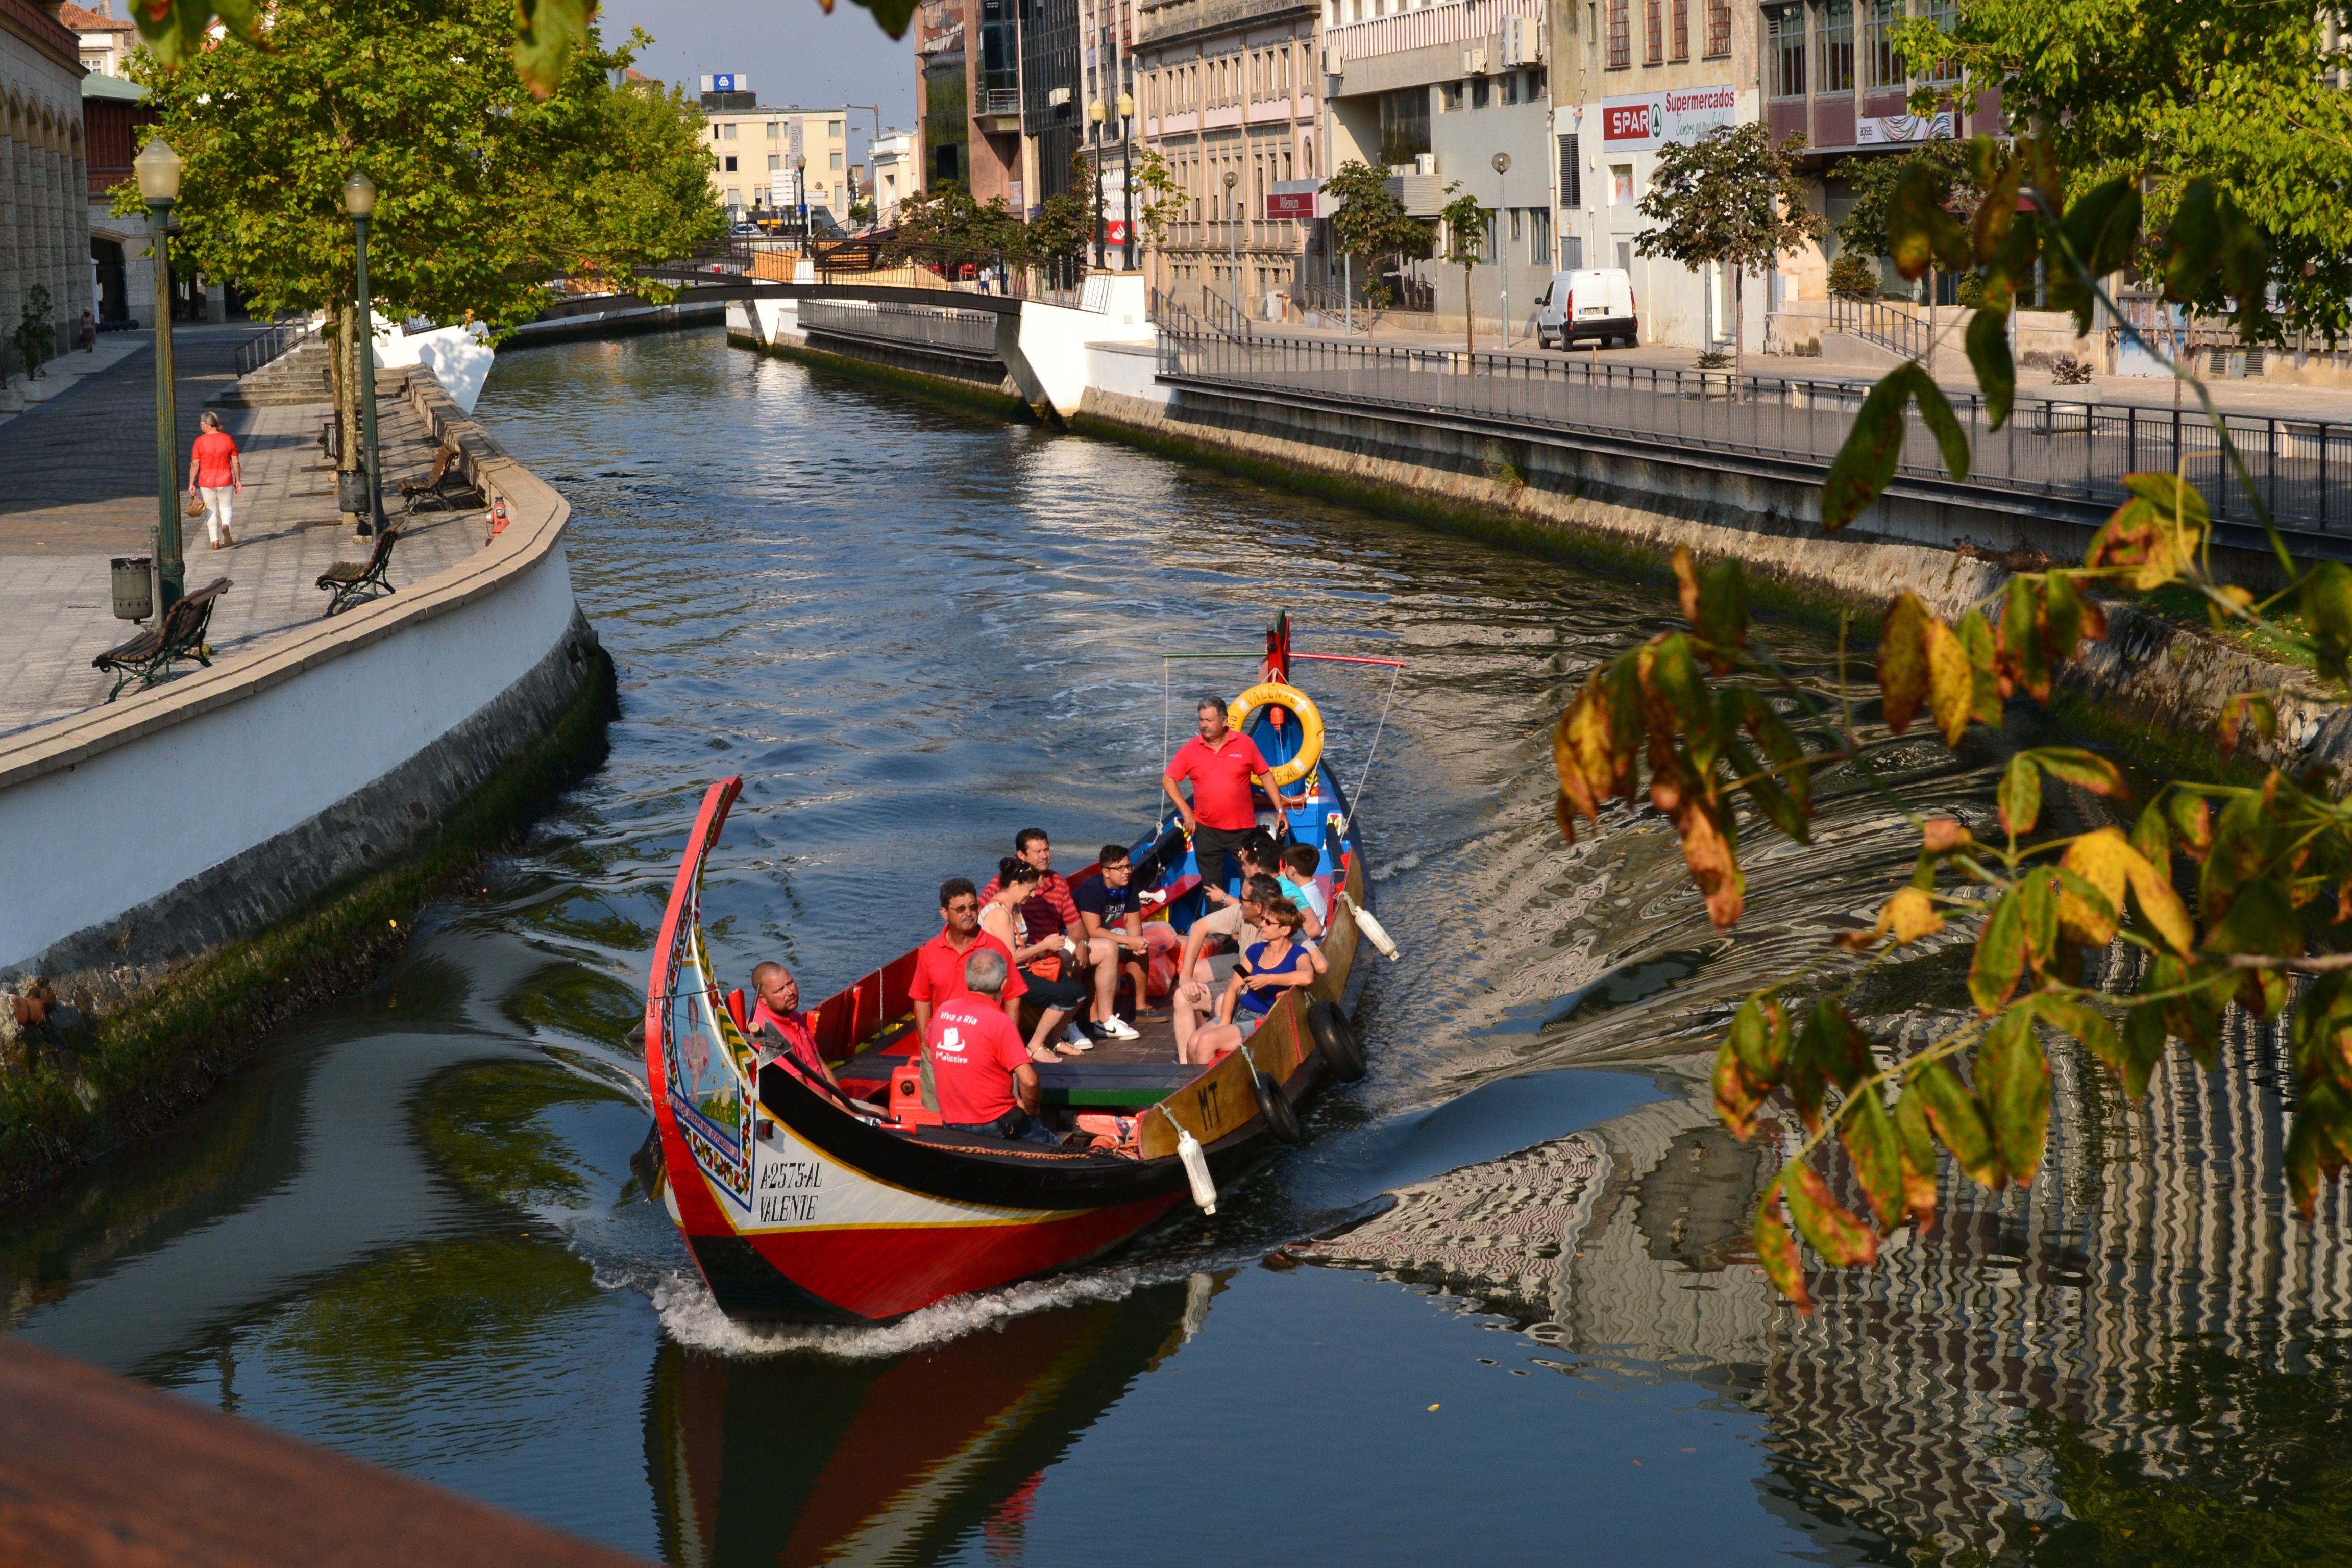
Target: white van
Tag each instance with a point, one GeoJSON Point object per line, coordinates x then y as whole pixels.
{"type": "Point", "coordinates": [1594, 303]}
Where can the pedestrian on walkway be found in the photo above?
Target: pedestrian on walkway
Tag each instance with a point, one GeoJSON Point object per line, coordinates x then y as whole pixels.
{"type": "Point", "coordinates": [89, 333]}
{"type": "Point", "coordinates": [214, 474]}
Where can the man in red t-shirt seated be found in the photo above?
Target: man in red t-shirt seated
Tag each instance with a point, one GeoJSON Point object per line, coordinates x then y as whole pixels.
{"type": "Point", "coordinates": [1222, 763]}
{"type": "Point", "coordinates": [779, 1009]}
{"type": "Point", "coordinates": [938, 962]}
{"type": "Point", "coordinates": [980, 1065]}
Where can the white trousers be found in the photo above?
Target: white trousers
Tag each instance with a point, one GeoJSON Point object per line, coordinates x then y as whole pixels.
{"type": "Point", "coordinates": [216, 510]}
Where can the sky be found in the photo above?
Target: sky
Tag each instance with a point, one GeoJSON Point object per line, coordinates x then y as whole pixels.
{"type": "Point", "coordinates": [794, 52]}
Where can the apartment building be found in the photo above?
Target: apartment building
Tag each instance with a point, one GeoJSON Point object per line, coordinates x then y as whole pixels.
{"type": "Point", "coordinates": [1829, 73]}
{"type": "Point", "coordinates": [1447, 94]}
{"type": "Point", "coordinates": [1107, 55]}
{"type": "Point", "coordinates": [107, 39]}
{"type": "Point", "coordinates": [1229, 96]}
{"type": "Point", "coordinates": [897, 173]}
{"type": "Point", "coordinates": [767, 156]}
{"type": "Point", "coordinates": [968, 70]}
{"type": "Point", "coordinates": [1636, 76]}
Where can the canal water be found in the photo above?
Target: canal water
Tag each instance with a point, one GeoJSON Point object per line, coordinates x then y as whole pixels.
{"type": "Point", "coordinates": [407, 1229]}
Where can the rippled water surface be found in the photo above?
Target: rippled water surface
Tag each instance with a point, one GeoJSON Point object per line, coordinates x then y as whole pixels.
{"type": "Point", "coordinates": [407, 1228]}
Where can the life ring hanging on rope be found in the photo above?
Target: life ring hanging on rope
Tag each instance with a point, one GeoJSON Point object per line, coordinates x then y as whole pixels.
{"type": "Point", "coordinates": [1273, 694]}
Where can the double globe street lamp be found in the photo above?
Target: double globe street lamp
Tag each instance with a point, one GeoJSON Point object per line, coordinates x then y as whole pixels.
{"type": "Point", "coordinates": [359, 200]}
{"type": "Point", "coordinates": [158, 169]}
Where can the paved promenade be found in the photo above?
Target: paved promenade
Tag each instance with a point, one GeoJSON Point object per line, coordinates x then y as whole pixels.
{"type": "Point", "coordinates": [78, 487]}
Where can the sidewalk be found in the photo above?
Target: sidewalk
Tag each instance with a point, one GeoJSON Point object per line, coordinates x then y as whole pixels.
{"type": "Point", "coordinates": [2253, 399]}
{"type": "Point", "coordinates": [78, 487]}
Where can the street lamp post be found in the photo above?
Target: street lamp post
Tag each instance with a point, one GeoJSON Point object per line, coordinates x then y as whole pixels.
{"type": "Point", "coordinates": [159, 181]}
{"type": "Point", "coordinates": [1232, 251]}
{"type": "Point", "coordinates": [1098, 112]}
{"type": "Point", "coordinates": [1126, 181]}
{"type": "Point", "coordinates": [359, 200]}
{"type": "Point", "coordinates": [799, 182]}
{"type": "Point", "coordinates": [1503, 240]}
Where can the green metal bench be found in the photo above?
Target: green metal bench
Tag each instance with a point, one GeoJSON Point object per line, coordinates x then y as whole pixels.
{"type": "Point", "coordinates": [351, 582]}
{"type": "Point", "coordinates": [148, 658]}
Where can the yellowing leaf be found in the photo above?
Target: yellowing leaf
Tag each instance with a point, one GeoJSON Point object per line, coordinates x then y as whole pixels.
{"type": "Point", "coordinates": [2020, 795]}
{"type": "Point", "coordinates": [1950, 688]}
{"type": "Point", "coordinates": [1867, 1131]}
{"type": "Point", "coordinates": [2103, 860]}
{"type": "Point", "coordinates": [1830, 1228]}
{"type": "Point", "coordinates": [1912, 913]}
{"type": "Point", "coordinates": [2159, 905]}
{"type": "Point", "coordinates": [1958, 1121]}
{"type": "Point", "coordinates": [1903, 659]}
{"type": "Point", "coordinates": [2247, 709]}
{"type": "Point", "coordinates": [1776, 1249]}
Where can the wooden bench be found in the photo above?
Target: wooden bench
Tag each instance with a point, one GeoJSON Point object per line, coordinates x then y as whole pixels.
{"type": "Point", "coordinates": [148, 658]}
{"type": "Point", "coordinates": [348, 582]}
{"type": "Point", "coordinates": [443, 486]}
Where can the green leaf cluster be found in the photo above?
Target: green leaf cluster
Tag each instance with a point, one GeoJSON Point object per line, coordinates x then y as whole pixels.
{"type": "Point", "coordinates": [485, 192]}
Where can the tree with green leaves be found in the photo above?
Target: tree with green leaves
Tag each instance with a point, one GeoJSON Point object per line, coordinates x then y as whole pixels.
{"type": "Point", "coordinates": [1464, 224]}
{"type": "Point", "coordinates": [2215, 896]}
{"type": "Point", "coordinates": [1731, 198]}
{"type": "Point", "coordinates": [1162, 199]}
{"type": "Point", "coordinates": [2245, 97]}
{"type": "Point", "coordinates": [1369, 223]}
{"type": "Point", "coordinates": [1873, 178]}
{"type": "Point", "coordinates": [945, 218]}
{"type": "Point", "coordinates": [484, 191]}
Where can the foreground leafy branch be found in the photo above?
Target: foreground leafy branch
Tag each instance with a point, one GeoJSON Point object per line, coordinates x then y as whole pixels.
{"type": "Point", "coordinates": [2221, 894]}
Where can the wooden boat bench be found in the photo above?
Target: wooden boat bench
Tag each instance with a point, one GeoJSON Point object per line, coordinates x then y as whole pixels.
{"type": "Point", "coordinates": [179, 634]}
{"type": "Point", "coordinates": [443, 488]}
{"type": "Point", "coordinates": [347, 582]}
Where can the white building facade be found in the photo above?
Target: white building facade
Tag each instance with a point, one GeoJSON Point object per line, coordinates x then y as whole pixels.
{"type": "Point", "coordinates": [44, 181]}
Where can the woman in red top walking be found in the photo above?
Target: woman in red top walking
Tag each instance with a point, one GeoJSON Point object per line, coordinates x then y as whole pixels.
{"type": "Point", "coordinates": [216, 473]}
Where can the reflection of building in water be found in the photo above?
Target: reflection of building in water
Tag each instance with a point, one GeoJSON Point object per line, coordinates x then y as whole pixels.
{"type": "Point", "coordinates": [1900, 1410]}
{"type": "Point", "coordinates": [796, 1461]}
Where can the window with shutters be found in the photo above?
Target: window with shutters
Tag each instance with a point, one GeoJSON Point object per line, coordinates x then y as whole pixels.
{"type": "Point", "coordinates": [1654, 37]}
{"type": "Point", "coordinates": [1719, 28]}
{"type": "Point", "coordinates": [1571, 174]}
{"type": "Point", "coordinates": [1621, 34]}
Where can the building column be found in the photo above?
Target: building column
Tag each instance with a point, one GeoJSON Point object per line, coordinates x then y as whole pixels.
{"type": "Point", "coordinates": [11, 218]}
{"type": "Point", "coordinates": [77, 199]}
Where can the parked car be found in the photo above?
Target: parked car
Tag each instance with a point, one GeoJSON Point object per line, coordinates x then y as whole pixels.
{"type": "Point", "coordinates": [744, 229]}
{"type": "Point", "coordinates": [1597, 302]}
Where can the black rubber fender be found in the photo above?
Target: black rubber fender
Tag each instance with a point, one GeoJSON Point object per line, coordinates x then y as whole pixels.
{"type": "Point", "coordinates": [1336, 1038]}
{"type": "Point", "coordinates": [1280, 1119]}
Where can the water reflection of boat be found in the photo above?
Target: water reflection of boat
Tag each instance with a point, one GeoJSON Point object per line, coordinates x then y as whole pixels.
{"type": "Point", "coordinates": [800, 1204]}
{"type": "Point", "coordinates": [797, 1461]}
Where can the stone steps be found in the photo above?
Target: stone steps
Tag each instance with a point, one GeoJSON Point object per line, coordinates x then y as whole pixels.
{"type": "Point", "coordinates": [304, 375]}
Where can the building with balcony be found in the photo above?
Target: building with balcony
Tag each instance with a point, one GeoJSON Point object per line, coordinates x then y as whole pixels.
{"type": "Point", "coordinates": [1634, 76]}
{"type": "Point", "coordinates": [967, 65]}
{"type": "Point", "coordinates": [1228, 97]}
{"type": "Point", "coordinates": [1440, 95]}
{"type": "Point", "coordinates": [1831, 74]}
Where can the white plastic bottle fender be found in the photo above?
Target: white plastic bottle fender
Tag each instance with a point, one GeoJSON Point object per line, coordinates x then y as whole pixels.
{"type": "Point", "coordinates": [1372, 929]}
{"type": "Point", "coordinates": [1196, 1169]}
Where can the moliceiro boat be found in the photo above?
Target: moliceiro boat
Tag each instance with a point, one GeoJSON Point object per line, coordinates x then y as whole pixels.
{"type": "Point", "coordinates": [802, 1204]}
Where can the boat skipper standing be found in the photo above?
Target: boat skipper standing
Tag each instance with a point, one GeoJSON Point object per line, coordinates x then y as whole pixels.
{"type": "Point", "coordinates": [1223, 763]}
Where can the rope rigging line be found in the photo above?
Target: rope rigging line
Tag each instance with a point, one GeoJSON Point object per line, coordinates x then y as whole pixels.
{"type": "Point", "coordinates": [1356, 800]}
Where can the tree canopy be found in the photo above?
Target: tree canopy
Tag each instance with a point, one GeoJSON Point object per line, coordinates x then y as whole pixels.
{"type": "Point", "coordinates": [1730, 197]}
{"type": "Point", "coordinates": [484, 191]}
{"type": "Point", "coordinates": [2244, 95]}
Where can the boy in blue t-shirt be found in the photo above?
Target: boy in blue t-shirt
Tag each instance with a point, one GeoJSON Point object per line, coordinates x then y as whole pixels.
{"type": "Point", "coordinates": [1110, 908]}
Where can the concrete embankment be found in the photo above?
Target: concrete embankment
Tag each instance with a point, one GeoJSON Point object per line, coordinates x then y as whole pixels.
{"type": "Point", "coordinates": [2154, 687]}
{"type": "Point", "coordinates": [197, 861]}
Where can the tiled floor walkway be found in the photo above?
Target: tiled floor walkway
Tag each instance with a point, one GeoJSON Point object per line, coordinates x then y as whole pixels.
{"type": "Point", "coordinates": [73, 460]}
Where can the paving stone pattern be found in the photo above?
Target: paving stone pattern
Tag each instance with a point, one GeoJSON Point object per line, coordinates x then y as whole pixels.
{"type": "Point", "coordinates": [56, 598]}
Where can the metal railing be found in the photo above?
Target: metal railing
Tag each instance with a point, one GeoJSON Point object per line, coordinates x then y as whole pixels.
{"type": "Point", "coordinates": [966, 335]}
{"type": "Point", "coordinates": [276, 343]}
{"type": "Point", "coordinates": [1893, 324]}
{"type": "Point", "coordinates": [999, 101]}
{"type": "Point", "coordinates": [2069, 451]}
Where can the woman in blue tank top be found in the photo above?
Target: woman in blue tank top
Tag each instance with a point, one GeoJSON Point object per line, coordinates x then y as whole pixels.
{"type": "Point", "coordinates": [1276, 963]}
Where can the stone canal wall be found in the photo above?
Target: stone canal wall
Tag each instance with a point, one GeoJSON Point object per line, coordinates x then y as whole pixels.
{"type": "Point", "coordinates": [2154, 687]}
{"type": "Point", "coordinates": [193, 862]}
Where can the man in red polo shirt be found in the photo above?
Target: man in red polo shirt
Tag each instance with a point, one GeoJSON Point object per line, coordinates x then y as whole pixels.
{"type": "Point", "coordinates": [1222, 763]}
{"type": "Point", "coordinates": [980, 1067]}
{"type": "Point", "coordinates": [938, 962]}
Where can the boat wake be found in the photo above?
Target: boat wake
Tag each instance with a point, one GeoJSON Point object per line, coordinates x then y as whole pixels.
{"type": "Point", "coordinates": [692, 1316]}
